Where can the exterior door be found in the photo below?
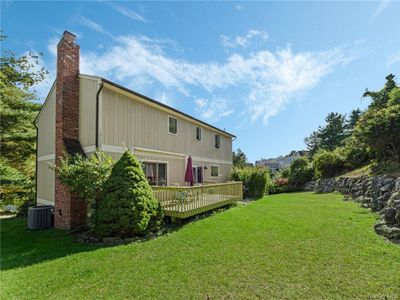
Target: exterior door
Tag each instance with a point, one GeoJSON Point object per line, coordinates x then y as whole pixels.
{"type": "Point", "coordinates": [198, 174]}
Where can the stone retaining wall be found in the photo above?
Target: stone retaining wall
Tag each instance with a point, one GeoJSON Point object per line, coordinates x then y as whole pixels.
{"type": "Point", "coordinates": [380, 194]}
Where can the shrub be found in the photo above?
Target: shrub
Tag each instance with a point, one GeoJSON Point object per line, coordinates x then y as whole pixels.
{"type": "Point", "coordinates": [328, 163]}
{"type": "Point", "coordinates": [355, 153]}
{"type": "Point", "coordinates": [379, 129]}
{"type": "Point", "coordinates": [301, 171]}
{"type": "Point", "coordinates": [282, 173]}
{"type": "Point", "coordinates": [128, 206]}
{"type": "Point", "coordinates": [86, 177]}
{"type": "Point", "coordinates": [279, 185]}
{"type": "Point", "coordinates": [255, 180]}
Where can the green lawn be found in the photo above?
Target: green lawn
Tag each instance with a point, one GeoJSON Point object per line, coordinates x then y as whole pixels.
{"type": "Point", "coordinates": [301, 245]}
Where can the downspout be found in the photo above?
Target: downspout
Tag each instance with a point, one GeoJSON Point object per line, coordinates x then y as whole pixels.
{"type": "Point", "coordinates": [36, 165]}
{"type": "Point", "coordinates": [97, 115]}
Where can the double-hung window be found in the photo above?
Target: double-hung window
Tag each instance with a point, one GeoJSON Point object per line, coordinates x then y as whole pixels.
{"type": "Point", "coordinates": [214, 171]}
{"type": "Point", "coordinates": [198, 133]}
{"type": "Point", "coordinates": [172, 125]}
{"type": "Point", "coordinates": [217, 142]}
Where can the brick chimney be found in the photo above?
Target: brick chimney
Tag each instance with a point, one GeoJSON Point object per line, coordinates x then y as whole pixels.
{"type": "Point", "coordinates": [70, 210]}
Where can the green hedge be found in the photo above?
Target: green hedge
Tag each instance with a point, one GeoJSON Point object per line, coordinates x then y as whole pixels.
{"type": "Point", "coordinates": [255, 180]}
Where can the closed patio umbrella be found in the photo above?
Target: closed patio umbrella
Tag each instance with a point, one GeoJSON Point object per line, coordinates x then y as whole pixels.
{"type": "Point", "coordinates": [189, 172]}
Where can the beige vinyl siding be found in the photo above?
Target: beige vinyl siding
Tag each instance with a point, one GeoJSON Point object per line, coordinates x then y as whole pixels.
{"type": "Point", "coordinates": [223, 171]}
{"type": "Point", "coordinates": [46, 150]}
{"type": "Point", "coordinates": [87, 110]}
{"type": "Point", "coordinates": [128, 122]}
{"type": "Point", "coordinates": [46, 126]}
{"type": "Point", "coordinates": [46, 178]}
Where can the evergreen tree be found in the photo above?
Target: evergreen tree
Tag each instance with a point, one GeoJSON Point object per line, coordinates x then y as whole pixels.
{"type": "Point", "coordinates": [239, 159]}
{"type": "Point", "coordinates": [354, 116]}
{"type": "Point", "coordinates": [327, 137]}
{"type": "Point", "coordinates": [128, 206]}
{"type": "Point", "coordinates": [380, 98]}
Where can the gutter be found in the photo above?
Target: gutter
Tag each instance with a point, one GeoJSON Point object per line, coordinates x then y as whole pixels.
{"type": "Point", "coordinates": [97, 115]}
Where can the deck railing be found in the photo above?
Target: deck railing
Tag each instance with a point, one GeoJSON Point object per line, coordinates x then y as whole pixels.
{"type": "Point", "coordinates": [186, 201]}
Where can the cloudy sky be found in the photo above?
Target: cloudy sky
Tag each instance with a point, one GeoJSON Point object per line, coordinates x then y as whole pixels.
{"type": "Point", "coordinates": [268, 72]}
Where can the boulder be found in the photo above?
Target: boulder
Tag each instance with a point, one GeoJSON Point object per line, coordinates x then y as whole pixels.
{"type": "Point", "coordinates": [397, 216]}
{"type": "Point", "coordinates": [389, 215]}
{"type": "Point", "coordinates": [390, 232]}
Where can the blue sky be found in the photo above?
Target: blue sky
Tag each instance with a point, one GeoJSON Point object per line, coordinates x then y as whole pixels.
{"type": "Point", "coordinates": [268, 72]}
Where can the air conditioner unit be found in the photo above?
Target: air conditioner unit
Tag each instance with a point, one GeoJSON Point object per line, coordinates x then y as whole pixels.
{"type": "Point", "coordinates": [40, 217]}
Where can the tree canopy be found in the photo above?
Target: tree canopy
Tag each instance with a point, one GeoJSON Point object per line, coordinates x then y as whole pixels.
{"type": "Point", "coordinates": [18, 109]}
{"type": "Point", "coordinates": [239, 159]}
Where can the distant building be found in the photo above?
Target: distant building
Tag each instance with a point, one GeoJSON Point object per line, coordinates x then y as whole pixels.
{"type": "Point", "coordinates": [276, 164]}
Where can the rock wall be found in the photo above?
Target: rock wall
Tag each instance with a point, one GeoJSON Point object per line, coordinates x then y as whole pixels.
{"type": "Point", "coordinates": [380, 194]}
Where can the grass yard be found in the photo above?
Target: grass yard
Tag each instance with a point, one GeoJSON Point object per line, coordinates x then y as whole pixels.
{"type": "Point", "coordinates": [291, 246]}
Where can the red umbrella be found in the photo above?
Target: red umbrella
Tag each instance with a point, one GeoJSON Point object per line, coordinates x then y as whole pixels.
{"type": "Point", "coordinates": [189, 172]}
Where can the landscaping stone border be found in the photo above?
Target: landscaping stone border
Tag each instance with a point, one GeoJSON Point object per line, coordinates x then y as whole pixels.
{"type": "Point", "coordinates": [379, 193]}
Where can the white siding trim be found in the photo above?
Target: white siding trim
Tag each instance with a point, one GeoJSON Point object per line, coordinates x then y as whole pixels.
{"type": "Point", "coordinates": [113, 149]}
{"type": "Point", "coordinates": [140, 149]}
{"type": "Point", "coordinates": [90, 148]}
{"type": "Point", "coordinates": [46, 157]}
{"type": "Point", "coordinates": [118, 149]}
{"type": "Point", "coordinates": [210, 160]}
{"type": "Point", "coordinates": [43, 201]}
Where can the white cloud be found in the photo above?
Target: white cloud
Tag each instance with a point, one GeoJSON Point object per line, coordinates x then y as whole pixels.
{"type": "Point", "coordinates": [379, 10]}
{"type": "Point", "coordinates": [243, 41]}
{"type": "Point", "coordinates": [266, 81]}
{"type": "Point", "coordinates": [393, 59]}
{"type": "Point", "coordinates": [91, 24]}
{"type": "Point", "coordinates": [52, 46]}
{"type": "Point", "coordinates": [238, 7]}
{"type": "Point", "coordinates": [213, 109]}
{"type": "Point", "coordinates": [129, 13]}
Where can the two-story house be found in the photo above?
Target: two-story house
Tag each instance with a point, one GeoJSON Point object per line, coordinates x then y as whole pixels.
{"type": "Point", "coordinates": [82, 113]}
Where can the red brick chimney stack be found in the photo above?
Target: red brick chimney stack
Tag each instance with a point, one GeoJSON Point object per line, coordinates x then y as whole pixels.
{"type": "Point", "coordinates": [70, 210]}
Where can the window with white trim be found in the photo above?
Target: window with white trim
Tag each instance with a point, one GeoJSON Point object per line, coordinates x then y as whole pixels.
{"type": "Point", "coordinates": [217, 143]}
{"type": "Point", "coordinates": [172, 125]}
{"type": "Point", "coordinates": [214, 171]}
{"type": "Point", "coordinates": [198, 133]}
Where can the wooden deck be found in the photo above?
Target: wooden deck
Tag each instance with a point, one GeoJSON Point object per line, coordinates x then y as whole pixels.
{"type": "Point", "coordinates": [184, 202]}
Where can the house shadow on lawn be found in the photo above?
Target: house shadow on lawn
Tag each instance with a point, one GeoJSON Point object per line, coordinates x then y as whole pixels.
{"type": "Point", "coordinates": [21, 247]}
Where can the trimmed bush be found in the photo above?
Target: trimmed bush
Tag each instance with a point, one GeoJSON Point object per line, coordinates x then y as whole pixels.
{"type": "Point", "coordinates": [255, 180]}
{"type": "Point", "coordinates": [328, 163]}
{"type": "Point", "coordinates": [128, 206]}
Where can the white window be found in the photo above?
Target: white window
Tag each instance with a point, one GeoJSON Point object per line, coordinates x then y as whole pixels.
{"type": "Point", "coordinates": [217, 143]}
{"type": "Point", "coordinates": [214, 171]}
{"type": "Point", "coordinates": [198, 133]}
{"type": "Point", "coordinates": [172, 125]}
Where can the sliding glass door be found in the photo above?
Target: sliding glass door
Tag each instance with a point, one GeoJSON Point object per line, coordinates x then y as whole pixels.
{"type": "Point", "coordinates": [156, 173]}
